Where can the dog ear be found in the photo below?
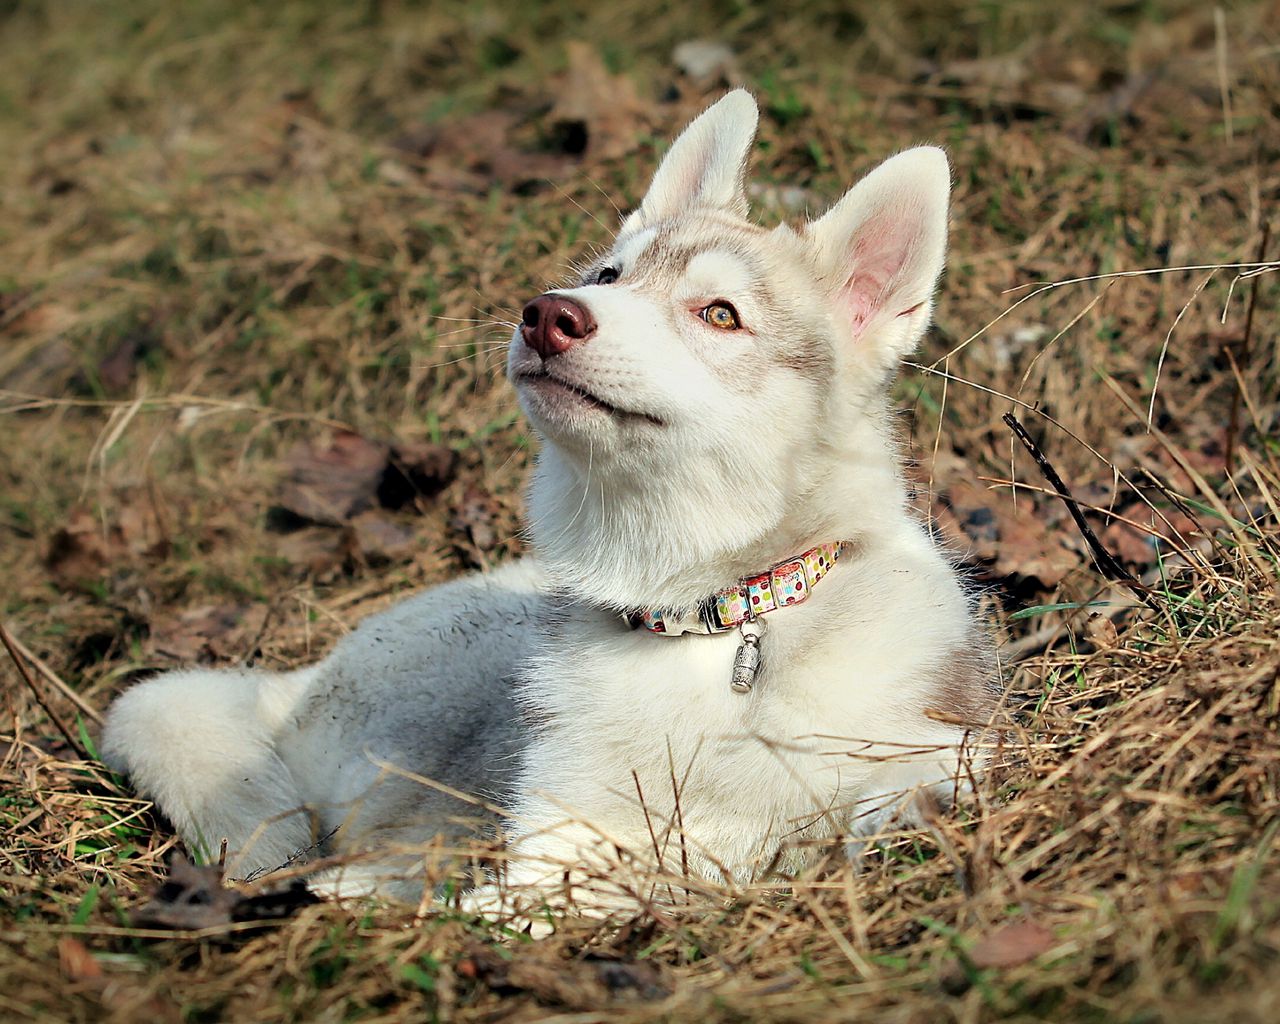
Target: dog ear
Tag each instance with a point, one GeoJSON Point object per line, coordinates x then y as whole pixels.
{"type": "Point", "coordinates": [706, 165]}
{"type": "Point", "coordinates": [883, 246]}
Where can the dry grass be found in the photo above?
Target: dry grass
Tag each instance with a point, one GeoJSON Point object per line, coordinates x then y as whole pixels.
{"type": "Point", "coordinates": [212, 246]}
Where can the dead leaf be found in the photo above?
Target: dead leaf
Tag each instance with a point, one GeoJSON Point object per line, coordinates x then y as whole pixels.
{"type": "Point", "coordinates": [1028, 550]}
{"type": "Point", "coordinates": [193, 898]}
{"type": "Point", "coordinates": [1101, 631]}
{"type": "Point", "coordinates": [77, 963]}
{"type": "Point", "coordinates": [118, 369]}
{"type": "Point", "coordinates": [190, 899]}
{"type": "Point", "coordinates": [416, 469]}
{"type": "Point", "coordinates": [44, 369]}
{"type": "Point", "coordinates": [83, 549]}
{"type": "Point", "coordinates": [1018, 942]}
{"type": "Point", "coordinates": [1140, 547]}
{"type": "Point", "coordinates": [476, 517]}
{"type": "Point", "coordinates": [376, 537]}
{"type": "Point", "coordinates": [471, 153]}
{"type": "Point", "coordinates": [577, 984]}
{"type": "Point", "coordinates": [320, 551]}
{"type": "Point", "coordinates": [120, 997]}
{"type": "Point", "coordinates": [1185, 886]}
{"type": "Point", "coordinates": [1013, 543]}
{"type": "Point", "coordinates": [207, 634]}
{"type": "Point", "coordinates": [329, 482]}
{"type": "Point", "coordinates": [596, 112]}
{"type": "Point", "coordinates": [1093, 121]}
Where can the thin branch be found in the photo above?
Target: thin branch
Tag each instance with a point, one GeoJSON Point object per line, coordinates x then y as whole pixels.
{"type": "Point", "coordinates": [1233, 423]}
{"type": "Point", "coordinates": [55, 680]}
{"type": "Point", "coordinates": [1106, 562]}
{"type": "Point", "coordinates": [23, 671]}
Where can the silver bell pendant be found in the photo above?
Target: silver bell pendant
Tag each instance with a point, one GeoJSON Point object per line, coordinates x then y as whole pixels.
{"type": "Point", "coordinates": [746, 663]}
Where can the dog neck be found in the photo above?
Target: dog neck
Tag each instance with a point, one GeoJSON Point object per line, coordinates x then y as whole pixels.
{"type": "Point", "coordinates": [654, 540]}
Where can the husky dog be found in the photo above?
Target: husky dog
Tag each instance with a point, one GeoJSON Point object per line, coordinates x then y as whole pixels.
{"type": "Point", "coordinates": [733, 640]}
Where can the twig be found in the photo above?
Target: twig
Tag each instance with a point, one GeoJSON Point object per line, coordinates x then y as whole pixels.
{"type": "Point", "coordinates": [1224, 81]}
{"type": "Point", "coordinates": [1233, 423]}
{"type": "Point", "coordinates": [1164, 348]}
{"type": "Point", "coordinates": [1106, 562]}
{"type": "Point", "coordinates": [35, 692]}
{"type": "Point", "coordinates": [55, 680]}
{"type": "Point", "coordinates": [684, 851]}
{"type": "Point", "coordinates": [653, 835]}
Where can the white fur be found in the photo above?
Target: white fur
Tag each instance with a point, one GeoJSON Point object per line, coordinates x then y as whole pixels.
{"type": "Point", "coordinates": [706, 455]}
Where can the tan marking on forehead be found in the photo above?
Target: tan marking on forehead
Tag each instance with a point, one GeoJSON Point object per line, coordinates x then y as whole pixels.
{"type": "Point", "coordinates": [678, 243]}
{"type": "Point", "coordinates": [698, 227]}
{"type": "Point", "coordinates": [724, 220]}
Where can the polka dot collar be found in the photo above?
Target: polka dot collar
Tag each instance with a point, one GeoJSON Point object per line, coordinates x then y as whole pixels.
{"type": "Point", "coordinates": [785, 584]}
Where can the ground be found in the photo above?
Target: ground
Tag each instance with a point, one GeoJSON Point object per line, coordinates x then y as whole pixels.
{"type": "Point", "coordinates": [257, 265]}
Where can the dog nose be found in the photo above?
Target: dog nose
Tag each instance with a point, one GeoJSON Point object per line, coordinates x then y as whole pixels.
{"type": "Point", "coordinates": [554, 324]}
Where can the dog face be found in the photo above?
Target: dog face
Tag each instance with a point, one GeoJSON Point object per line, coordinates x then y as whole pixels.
{"type": "Point", "coordinates": [695, 377]}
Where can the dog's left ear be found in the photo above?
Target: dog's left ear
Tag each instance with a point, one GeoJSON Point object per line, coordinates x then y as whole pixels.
{"type": "Point", "coordinates": [706, 165]}
{"type": "Point", "coordinates": [883, 245]}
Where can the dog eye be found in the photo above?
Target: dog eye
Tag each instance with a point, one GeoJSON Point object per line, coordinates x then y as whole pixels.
{"type": "Point", "coordinates": [607, 276]}
{"type": "Point", "coordinates": [721, 315]}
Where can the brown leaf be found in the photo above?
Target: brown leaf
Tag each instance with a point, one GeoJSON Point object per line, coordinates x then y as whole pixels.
{"type": "Point", "coordinates": [1128, 544]}
{"type": "Point", "coordinates": [579, 984]}
{"type": "Point", "coordinates": [86, 546]}
{"type": "Point", "coordinates": [1027, 549]}
{"type": "Point", "coordinates": [471, 153]}
{"type": "Point", "coordinates": [77, 963]}
{"type": "Point", "coordinates": [376, 537]}
{"type": "Point", "coordinates": [81, 549]}
{"type": "Point", "coordinates": [476, 517]}
{"type": "Point", "coordinates": [207, 634]}
{"type": "Point", "coordinates": [596, 112]}
{"type": "Point", "coordinates": [45, 369]}
{"type": "Point", "coordinates": [1168, 531]}
{"type": "Point", "coordinates": [331, 482]}
{"type": "Point", "coordinates": [193, 898]}
{"type": "Point", "coordinates": [118, 368]}
{"type": "Point", "coordinates": [1013, 543]}
{"type": "Point", "coordinates": [1185, 886]}
{"type": "Point", "coordinates": [416, 469]}
{"type": "Point", "coordinates": [1101, 631]}
{"type": "Point", "coordinates": [319, 551]}
{"type": "Point", "coordinates": [1017, 942]}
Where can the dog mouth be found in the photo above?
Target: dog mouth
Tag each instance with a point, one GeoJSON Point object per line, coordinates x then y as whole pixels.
{"type": "Point", "coordinates": [541, 379]}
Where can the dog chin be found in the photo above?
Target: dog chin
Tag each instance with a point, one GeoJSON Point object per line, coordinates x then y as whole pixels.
{"type": "Point", "coordinates": [558, 402]}
{"type": "Point", "coordinates": [567, 413]}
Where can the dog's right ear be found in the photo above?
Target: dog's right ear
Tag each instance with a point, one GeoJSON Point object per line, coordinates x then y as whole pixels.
{"type": "Point", "coordinates": [706, 165]}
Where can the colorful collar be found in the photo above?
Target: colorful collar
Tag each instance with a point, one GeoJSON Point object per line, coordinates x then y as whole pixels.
{"type": "Point", "coordinates": [787, 583]}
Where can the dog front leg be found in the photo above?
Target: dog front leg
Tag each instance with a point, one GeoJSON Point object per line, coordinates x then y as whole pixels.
{"type": "Point", "coordinates": [568, 868]}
